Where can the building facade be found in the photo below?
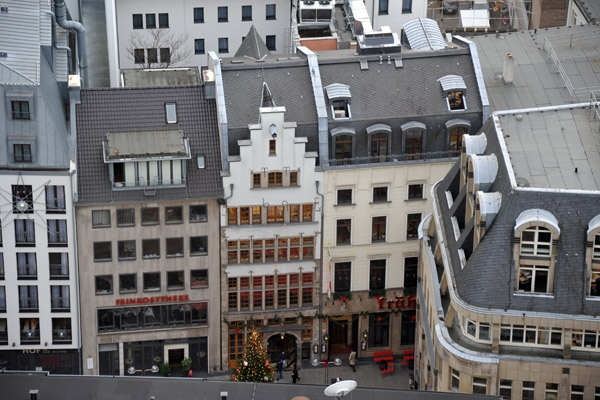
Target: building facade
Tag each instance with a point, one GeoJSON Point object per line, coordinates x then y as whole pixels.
{"type": "Point", "coordinates": [148, 34]}
{"type": "Point", "coordinates": [508, 269]}
{"type": "Point", "coordinates": [148, 230]}
{"type": "Point", "coordinates": [272, 224]}
{"type": "Point", "coordinates": [39, 308]}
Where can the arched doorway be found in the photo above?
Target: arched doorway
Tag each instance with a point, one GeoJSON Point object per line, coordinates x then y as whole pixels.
{"type": "Point", "coordinates": [276, 344]}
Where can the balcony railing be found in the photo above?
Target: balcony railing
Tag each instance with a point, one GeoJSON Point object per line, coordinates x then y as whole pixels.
{"type": "Point", "coordinates": [62, 336]}
{"type": "Point", "coordinates": [3, 338]}
{"type": "Point", "coordinates": [149, 184]}
{"type": "Point", "coordinates": [57, 238]}
{"type": "Point", "coordinates": [392, 158]}
{"type": "Point", "coordinates": [58, 271]}
{"type": "Point", "coordinates": [27, 271]}
{"type": "Point", "coordinates": [28, 304]}
{"type": "Point", "coordinates": [60, 304]}
{"type": "Point", "coordinates": [30, 337]}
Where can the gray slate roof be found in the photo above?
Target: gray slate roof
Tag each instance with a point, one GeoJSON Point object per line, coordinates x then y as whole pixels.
{"type": "Point", "coordinates": [487, 280]}
{"type": "Point", "coordinates": [252, 46]}
{"type": "Point", "coordinates": [142, 109]}
{"type": "Point", "coordinates": [17, 386]}
{"type": "Point", "coordinates": [536, 83]}
{"type": "Point", "coordinates": [161, 77]}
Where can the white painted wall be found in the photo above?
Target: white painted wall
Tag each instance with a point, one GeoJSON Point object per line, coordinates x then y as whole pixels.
{"type": "Point", "coordinates": [181, 19]}
{"type": "Point", "coordinates": [43, 282]}
{"type": "Point", "coordinates": [254, 157]}
{"type": "Point", "coordinates": [395, 17]}
{"type": "Point", "coordinates": [396, 248]}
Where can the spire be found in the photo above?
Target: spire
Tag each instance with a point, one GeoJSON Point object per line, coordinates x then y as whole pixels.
{"type": "Point", "coordinates": [252, 46]}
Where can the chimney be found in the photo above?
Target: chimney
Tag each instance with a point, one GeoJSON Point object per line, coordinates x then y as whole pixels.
{"type": "Point", "coordinates": [33, 394]}
{"type": "Point", "coordinates": [508, 71]}
{"type": "Point", "coordinates": [224, 395]}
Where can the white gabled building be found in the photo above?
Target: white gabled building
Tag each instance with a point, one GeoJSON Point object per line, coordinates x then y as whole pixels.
{"type": "Point", "coordinates": [272, 225]}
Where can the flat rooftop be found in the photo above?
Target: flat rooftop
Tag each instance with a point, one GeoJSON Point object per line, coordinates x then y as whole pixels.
{"type": "Point", "coordinates": [536, 81]}
{"type": "Point", "coordinates": [554, 149]}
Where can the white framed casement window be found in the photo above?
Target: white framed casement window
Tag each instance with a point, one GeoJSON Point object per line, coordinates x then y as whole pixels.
{"type": "Point", "coordinates": [454, 379]}
{"type": "Point", "coordinates": [479, 385]}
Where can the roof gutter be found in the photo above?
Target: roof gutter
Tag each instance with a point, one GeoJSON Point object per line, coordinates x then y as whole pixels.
{"type": "Point", "coordinates": [61, 20]}
{"type": "Point", "coordinates": [485, 103]}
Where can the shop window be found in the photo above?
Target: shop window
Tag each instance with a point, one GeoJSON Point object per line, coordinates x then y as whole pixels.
{"type": "Point", "coordinates": [479, 385]}
{"type": "Point", "coordinates": [102, 251]}
{"type": "Point", "coordinates": [175, 247]}
{"type": "Point", "coordinates": [412, 226]}
{"type": "Point", "coordinates": [175, 280]}
{"type": "Point", "coordinates": [378, 229]}
{"type": "Point", "coordinates": [343, 231]}
{"type": "Point", "coordinates": [125, 217]}
{"type": "Point", "coordinates": [198, 213]}
{"type": "Point", "coordinates": [127, 283]}
{"type": "Point", "coordinates": [344, 197]}
{"type": "Point", "coordinates": [198, 245]}
{"type": "Point", "coordinates": [199, 278]}
{"type": "Point", "coordinates": [104, 284]}
{"type": "Point", "coordinates": [151, 281]}
{"type": "Point", "coordinates": [377, 274]}
{"type": "Point", "coordinates": [379, 330]}
{"type": "Point", "coordinates": [415, 192]}
{"type": "Point", "coordinates": [126, 249]}
{"type": "Point", "coordinates": [151, 248]}
{"type": "Point", "coordinates": [342, 276]}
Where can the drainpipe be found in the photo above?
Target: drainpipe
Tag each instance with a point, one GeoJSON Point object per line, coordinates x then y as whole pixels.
{"type": "Point", "coordinates": [321, 268]}
{"type": "Point", "coordinates": [76, 271]}
{"type": "Point", "coordinates": [61, 20]}
{"type": "Point", "coordinates": [68, 49]}
{"type": "Point", "coordinates": [224, 202]}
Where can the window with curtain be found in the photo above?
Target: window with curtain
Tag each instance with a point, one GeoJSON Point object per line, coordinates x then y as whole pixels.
{"type": "Point", "coordinates": [383, 7]}
{"type": "Point", "coordinates": [59, 297]}
{"type": "Point", "coordinates": [55, 198]}
{"type": "Point", "coordinates": [59, 265]}
{"type": "Point", "coordinates": [24, 232]}
{"type": "Point", "coordinates": [246, 13]}
{"type": "Point", "coordinates": [406, 6]}
{"type": "Point", "coordinates": [100, 218]}
{"type": "Point", "coordinates": [28, 297]}
{"type": "Point", "coordinates": [2, 298]}
{"type": "Point", "coordinates": [26, 266]}
{"type": "Point", "coordinates": [57, 232]}
{"type": "Point", "coordinates": [222, 14]}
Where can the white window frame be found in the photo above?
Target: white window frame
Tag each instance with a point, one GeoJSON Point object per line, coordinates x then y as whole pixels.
{"type": "Point", "coordinates": [533, 270]}
{"type": "Point", "coordinates": [530, 328]}
{"type": "Point", "coordinates": [581, 343]}
{"type": "Point", "coordinates": [347, 109]}
{"type": "Point", "coordinates": [351, 196]}
{"type": "Point", "coordinates": [481, 384]}
{"type": "Point", "coordinates": [454, 374]}
{"type": "Point", "coordinates": [477, 334]}
{"type": "Point", "coordinates": [535, 243]}
{"type": "Point", "coordinates": [578, 391]}
{"type": "Point", "coordinates": [387, 194]}
{"type": "Point", "coordinates": [505, 384]}
{"type": "Point", "coordinates": [171, 113]}
{"type": "Point", "coordinates": [385, 234]}
{"type": "Point", "coordinates": [351, 231]}
{"type": "Point", "coordinates": [422, 184]}
{"type": "Point", "coordinates": [553, 392]}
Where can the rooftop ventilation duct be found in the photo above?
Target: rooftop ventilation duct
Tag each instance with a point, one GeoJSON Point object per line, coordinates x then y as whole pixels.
{"type": "Point", "coordinates": [62, 21]}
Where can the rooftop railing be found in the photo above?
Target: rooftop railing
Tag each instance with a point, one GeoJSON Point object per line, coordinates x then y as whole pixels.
{"type": "Point", "coordinates": [391, 158]}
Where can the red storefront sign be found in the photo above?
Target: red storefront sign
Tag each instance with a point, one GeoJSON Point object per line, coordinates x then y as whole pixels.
{"type": "Point", "coordinates": [398, 302]}
{"type": "Point", "coordinates": [152, 300]}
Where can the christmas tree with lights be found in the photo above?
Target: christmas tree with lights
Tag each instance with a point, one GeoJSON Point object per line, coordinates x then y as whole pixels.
{"type": "Point", "coordinates": [254, 366]}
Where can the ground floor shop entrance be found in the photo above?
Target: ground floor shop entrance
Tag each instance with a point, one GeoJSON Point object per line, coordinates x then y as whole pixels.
{"type": "Point", "coordinates": [55, 361]}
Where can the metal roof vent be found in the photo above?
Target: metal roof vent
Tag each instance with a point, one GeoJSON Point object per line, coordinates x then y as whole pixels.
{"type": "Point", "coordinates": [3, 54]}
{"type": "Point", "coordinates": [33, 394]}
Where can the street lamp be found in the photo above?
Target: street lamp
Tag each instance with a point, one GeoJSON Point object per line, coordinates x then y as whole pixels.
{"type": "Point", "coordinates": [282, 335]}
{"type": "Point", "coordinates": [365, 334]}
{"type": "Point", "coordinates": [131, 370]}
{"type": "Point", "coordinates": [325, 337]}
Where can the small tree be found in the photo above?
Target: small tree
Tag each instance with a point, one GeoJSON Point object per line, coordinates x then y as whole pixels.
{"type": "Point", "coordinates": [158, 48]}
{"type": "Point", "coordinates": [254, 366]}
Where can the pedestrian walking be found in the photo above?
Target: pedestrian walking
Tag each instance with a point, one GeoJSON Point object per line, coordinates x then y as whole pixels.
{"type": "Point", "coordinates": [283, 358]}
{"type": "Point", "coordinates": [352, 360]}
{"type": "Point", "coordinates": [295, 374]}
{"type": "Point", "coordinates": [279, 370]}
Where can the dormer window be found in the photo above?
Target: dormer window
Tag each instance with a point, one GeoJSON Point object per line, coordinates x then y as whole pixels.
{"type": "Point", "coordinates": [339, 98]}
{"type": "Point", "coordinates": [592, 257]}
{"type": "Point", "coordinates": [535, 231]}
{"type": "Point", "coordinates": [171, 112]}
{"type": "Point", "coordinates": [454, 89]}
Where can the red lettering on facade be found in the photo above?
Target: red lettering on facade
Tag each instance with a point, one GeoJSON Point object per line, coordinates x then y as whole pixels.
{"type": "Point", "coordinates": [380, 300]}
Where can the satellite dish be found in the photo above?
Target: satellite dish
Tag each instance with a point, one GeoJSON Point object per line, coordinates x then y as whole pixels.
{"type": "Point", "coordinates": [340, 389]}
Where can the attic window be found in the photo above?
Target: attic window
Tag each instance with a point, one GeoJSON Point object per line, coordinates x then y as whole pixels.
{"type": "Point", "coordinates": [171, 113]}
{"type": "Point", "coordinates": [201, 163]}
{"type": "Point", "coordinates": [339, 98]}
{"type": "Point", "coordinates": [341, 109]}
{"type": "Point", "coordinates": [454, 88]}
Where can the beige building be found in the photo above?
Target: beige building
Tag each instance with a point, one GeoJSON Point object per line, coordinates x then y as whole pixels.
{"type": "Point", "coordinates": [510, 263]}
{"type": "Point", "coordinates": [148, 231]}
